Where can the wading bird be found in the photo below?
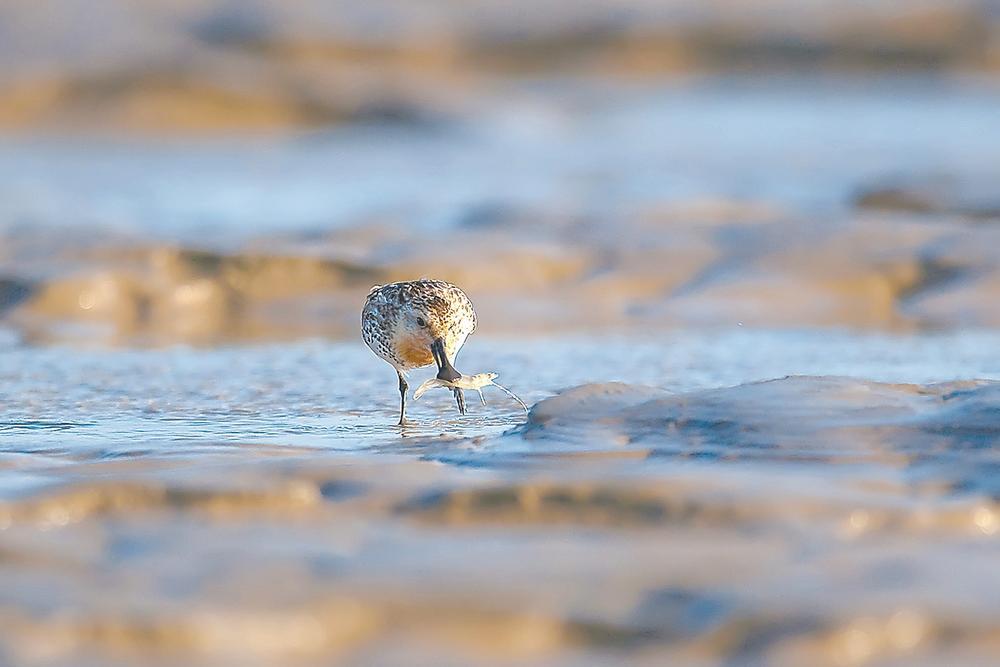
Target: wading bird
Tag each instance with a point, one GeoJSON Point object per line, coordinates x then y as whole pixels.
{"type": "Point", "coordinates": [416, 323]}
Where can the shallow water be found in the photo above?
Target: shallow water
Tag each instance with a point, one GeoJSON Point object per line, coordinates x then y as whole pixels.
{"type": "Point", "coordinates": [590, 148]}
{"type": "Point", "coordinates": [337, 395]}
{"type": "Point", "coordinates": [257, 505]}
{"type": "Point", "coordinates": [199, 462]}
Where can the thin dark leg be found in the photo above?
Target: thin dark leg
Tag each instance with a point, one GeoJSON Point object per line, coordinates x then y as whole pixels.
{"type": "Point", "coordinates": [402, 398]}
{"type": "Point", "coordinates": [460, 399]}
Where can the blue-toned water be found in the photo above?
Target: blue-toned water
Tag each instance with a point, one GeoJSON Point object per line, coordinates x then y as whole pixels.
{"type": "Point", "coordinates": [586, 148]}
{"type": "Point", "coordinates": [337, 395]}
{"type": "Point", "coordinates": [200, 463]}
{"type": "Point", "coordinates": [168, 501]}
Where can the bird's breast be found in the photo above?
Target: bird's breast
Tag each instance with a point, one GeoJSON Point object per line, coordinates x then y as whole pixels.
{"type": "Point", "coordinates": [414, 351]}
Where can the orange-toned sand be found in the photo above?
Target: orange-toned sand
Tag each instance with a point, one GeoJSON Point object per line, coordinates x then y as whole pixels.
{"type": "Point", "coordinates": [668, 268]}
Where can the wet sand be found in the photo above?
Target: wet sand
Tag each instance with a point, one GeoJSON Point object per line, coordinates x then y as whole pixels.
{"type": "Point", "coordinates": [207, 67]}
{"type": "Point", "coordinates": [743, 263]}
{"type": "Point", "coordinates": [714, 203]}
{"type": "Point", "coordinates": [247, 504]}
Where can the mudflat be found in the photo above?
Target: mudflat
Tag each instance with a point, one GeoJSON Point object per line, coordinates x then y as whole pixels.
{"type": "Point", "coordinates": [245, 504]}
{"type": "Point", "coordinates": [741, 263]}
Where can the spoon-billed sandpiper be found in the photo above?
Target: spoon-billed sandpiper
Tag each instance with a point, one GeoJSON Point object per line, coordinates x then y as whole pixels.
{"type": "Point", "coordinates": [416, 323]}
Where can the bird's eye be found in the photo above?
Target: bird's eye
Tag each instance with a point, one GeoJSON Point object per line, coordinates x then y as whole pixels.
{"type": "Point", "coordinates": [421, 322]}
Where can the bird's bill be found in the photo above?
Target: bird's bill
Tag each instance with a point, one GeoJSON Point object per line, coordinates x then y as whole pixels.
{"type": "Point", "coordinates": [446, 371]}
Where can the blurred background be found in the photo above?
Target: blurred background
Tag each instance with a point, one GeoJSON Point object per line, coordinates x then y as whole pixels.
{"type": "Point", "coordinates": [206, 171]}
{"type": "Point", "coordinates": [666, 205]}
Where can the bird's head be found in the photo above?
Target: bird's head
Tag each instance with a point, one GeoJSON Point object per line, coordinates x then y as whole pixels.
{"type": "Point", "coordinates": [422, 330]}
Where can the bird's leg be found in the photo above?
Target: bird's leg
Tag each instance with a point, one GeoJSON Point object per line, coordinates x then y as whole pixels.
{"type": "Point", "coordinates": [402, 398]}
{"type": "Point", "coordinates": [460, 399]}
